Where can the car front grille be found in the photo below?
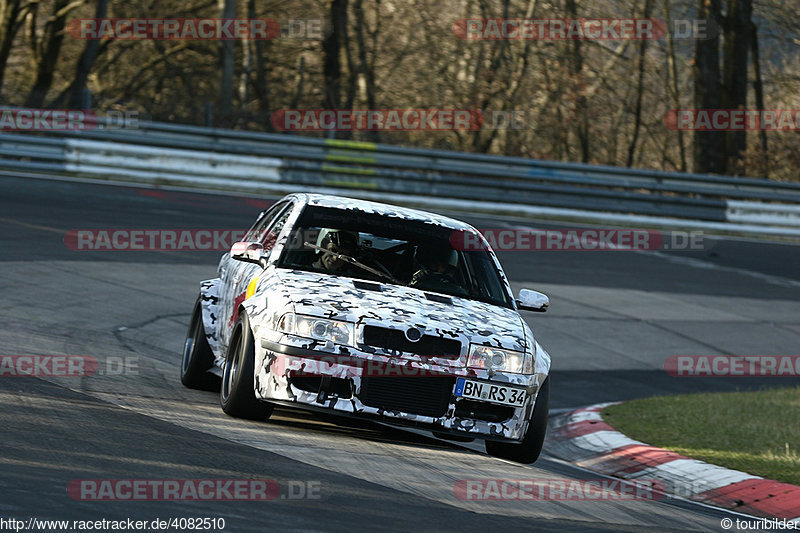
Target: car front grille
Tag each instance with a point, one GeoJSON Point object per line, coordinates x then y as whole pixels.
{"type": "Point", "coordinates": [426, 396]}
{"type": "Point", "coordinates": [395, 339]}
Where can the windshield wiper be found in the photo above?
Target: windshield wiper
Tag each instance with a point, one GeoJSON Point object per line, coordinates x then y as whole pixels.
{"type": "Point", "coordinates": [355, 262]}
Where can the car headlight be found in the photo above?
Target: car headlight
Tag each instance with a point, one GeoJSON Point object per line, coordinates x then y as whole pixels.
{"type": "Point", "coordinates": [318, 329]}
{"type": "Point", "coordinates": [499, 359]}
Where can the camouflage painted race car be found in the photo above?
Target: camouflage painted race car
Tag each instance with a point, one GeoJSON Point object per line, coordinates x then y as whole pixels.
{"type": "Point", "coordinates": [371, 310]}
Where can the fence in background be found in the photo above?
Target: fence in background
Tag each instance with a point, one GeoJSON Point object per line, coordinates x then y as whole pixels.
{"type": "Point", "coordinates": [170, 153]}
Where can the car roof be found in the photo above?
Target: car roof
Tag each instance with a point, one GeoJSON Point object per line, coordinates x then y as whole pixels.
{"type": "Point", "coordinates": [366, 206]}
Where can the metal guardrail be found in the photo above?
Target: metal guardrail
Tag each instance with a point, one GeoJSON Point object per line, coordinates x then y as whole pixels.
{"type": "Point", "coordinates": [169, 153]}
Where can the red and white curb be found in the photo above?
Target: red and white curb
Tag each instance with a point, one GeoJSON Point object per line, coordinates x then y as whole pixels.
{"type": "Point", "coordinates": [583, 438]}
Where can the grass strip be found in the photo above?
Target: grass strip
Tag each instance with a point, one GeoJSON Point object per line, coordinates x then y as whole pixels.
{"type": "Point", "coordinates": [757, 432]}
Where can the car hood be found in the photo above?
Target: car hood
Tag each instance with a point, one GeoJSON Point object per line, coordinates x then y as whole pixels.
{"type": "Point", "coordinates": [400, 307]}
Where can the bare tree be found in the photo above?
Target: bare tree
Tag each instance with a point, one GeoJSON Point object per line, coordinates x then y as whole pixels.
{"type": "Point", "coordinates": [595, 101]}
{"type": "Point", "coordinates": [738, 38]}
{"type": "Point", "coordinates": [575, 66]}
{"type": "Point", "coordinates": [366, 68]}
{"type": "Point", "coordinates": [257, 56]}
{"type": "Point", "coordinates": [228, 11]}
{"type": "Point", "coordinates": [758, 89]}
{"type": "Point", "coordinates": [77, 90]}
{"type": "Point", "coordinates": [332, 49]}
{"type": "Point", "coordinates": [637, 115]}
{"type": "Point", "coordinates": [708, 146]}
{"type": "Point", "coordinates": [673, 84]}
{"type": "Point", "coordinates": [46, 50]}
{"type": "Point", "coordinates": [12, 13]}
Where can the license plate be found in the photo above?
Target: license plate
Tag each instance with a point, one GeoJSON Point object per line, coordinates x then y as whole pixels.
{"type": "Point", "coordinates": [490, 392]}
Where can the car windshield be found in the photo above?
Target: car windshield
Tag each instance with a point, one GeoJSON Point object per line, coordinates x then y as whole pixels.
{"type": "Point", "coordinates": [391, 250]}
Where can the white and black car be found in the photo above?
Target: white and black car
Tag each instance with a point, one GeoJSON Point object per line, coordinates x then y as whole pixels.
{"type": "Point", "coordinates": [371, 310]}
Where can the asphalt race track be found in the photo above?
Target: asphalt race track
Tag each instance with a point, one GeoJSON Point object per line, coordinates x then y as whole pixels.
{"type": "Point", "coordinates": [615, 317]}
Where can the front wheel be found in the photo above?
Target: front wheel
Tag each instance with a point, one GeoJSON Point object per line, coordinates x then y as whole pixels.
{"type": "Point", "coordinates": [237, 395]}
{"type": "Point", "coordinates": [529, 449]}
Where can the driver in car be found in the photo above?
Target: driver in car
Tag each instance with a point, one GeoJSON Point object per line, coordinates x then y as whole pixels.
{"type": "Point", "coordinates": [435, 271]}
{"type": "Point", "coordinates": [337, 241]}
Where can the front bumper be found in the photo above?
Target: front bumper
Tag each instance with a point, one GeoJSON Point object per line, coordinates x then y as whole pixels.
{"type": "Point", "coordinates": [406, 390]}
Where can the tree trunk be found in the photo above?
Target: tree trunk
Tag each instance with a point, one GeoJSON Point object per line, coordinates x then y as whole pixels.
{"type": "Point", "coordinates": [758, 88]}
{"type": "Point", "coordinates": [228, 9]}
{"type": "Point", "coordinates": [259, 81]}
{"type": "Point", "coordinates": [77, 98]}
{"type": "Point", "coordinates": [331, 48]}
{"type": "Point", "coordinates": [49, 50]}
{"type": "Point", "coordinates": [637, 116]}
{"type": "Point", "coordinates": [10, 23]}
{"type": "Point", "coordinates": [708, 146]}
{"type": "Point", "coordinates": [364, 67]}
{"type": "Point", "coordinates": [672, 76]}
{"type": "Point", "coordinates": [578, 84]}
{"type": "Point", "coordinates": [738, 29]}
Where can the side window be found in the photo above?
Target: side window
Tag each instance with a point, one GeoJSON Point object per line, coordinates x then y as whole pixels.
{"type": "Point", "coordinates": [256, 233]}
{"type": "Point", "coordinates": [269, 237]}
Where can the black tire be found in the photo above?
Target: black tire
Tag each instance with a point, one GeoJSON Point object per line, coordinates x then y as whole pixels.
{"type": "Point", "coordinates": [237, 395]}
{"type": "Point", "coordinates": [529, 449]}
{"type": "Point", "coordinates": [197, 355]}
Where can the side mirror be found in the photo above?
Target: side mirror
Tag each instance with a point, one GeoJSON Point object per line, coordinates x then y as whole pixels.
{"type": "Point", "coordinates": [533, 301]}
{"type": "Point", "coordinates": [249, 252]}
